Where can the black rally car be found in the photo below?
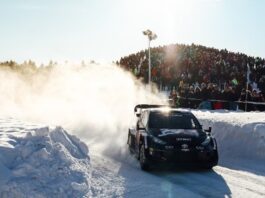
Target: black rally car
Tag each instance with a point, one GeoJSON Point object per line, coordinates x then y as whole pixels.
{"type": "Point", "coordinates": [164, 134]}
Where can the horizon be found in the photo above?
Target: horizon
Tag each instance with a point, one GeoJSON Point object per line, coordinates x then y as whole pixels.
{"type": "Point", "coordinates": [104, 31]}
{"type": "Point", "coordinates": [80, 62]}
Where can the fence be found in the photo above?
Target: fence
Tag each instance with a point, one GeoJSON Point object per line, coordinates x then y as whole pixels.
{"type": "Point", "coordinates": [195, 103]}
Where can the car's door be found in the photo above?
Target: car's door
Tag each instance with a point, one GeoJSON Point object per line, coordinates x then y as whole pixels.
{"type": "Point", "coordinates": [140, 129]}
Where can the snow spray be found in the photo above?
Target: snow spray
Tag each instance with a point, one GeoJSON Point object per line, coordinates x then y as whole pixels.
{"type": "Point", "coordinates": [95, 102]}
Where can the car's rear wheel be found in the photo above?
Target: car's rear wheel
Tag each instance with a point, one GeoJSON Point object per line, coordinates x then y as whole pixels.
{"type": "Point", "coordinates": [143, 160]}
{"type": "Point", "coordinates": [130, 143]}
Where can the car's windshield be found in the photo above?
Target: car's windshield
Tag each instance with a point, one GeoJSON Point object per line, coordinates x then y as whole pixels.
{"type": "Point", "coordinates": [172, 120]}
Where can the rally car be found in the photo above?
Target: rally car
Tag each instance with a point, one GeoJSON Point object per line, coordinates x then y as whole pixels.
{"type": "Point", "coordinates": [167, 135]}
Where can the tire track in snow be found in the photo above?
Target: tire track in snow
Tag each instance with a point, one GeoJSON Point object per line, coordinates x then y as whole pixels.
{"type": "Point", "coordinates": [256, 179]}
{"type": "Point", "coordinates": [127, 180]}
{"type": "Point", "coordinates": [206, 183]}
{"type": "Point", "coordinates": [105, 180]}
{"type": "Point", "coordinates": [251, 185]}
{"type": "Point", "coordinates": [111, 178]}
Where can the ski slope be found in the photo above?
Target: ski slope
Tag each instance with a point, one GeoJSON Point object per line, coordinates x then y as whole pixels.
{"type": "Point", "coordinates": [42, 161]}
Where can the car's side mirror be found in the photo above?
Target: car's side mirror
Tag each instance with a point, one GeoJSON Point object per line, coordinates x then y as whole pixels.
{"type": "Point", "coordinates": [209, 130]}
{"type": "Point", "coordinates": [138, 115]}
{"type": "Point", "coordinates": [138, 128]}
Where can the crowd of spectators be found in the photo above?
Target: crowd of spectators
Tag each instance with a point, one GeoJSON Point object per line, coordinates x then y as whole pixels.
{"type": "Point", "coordinates": [210, 96]}
{"type": "Point", "coordinates": [200, 72]}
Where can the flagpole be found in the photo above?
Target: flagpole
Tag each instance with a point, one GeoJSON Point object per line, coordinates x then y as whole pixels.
{"type": "Point", "coordinates": [246, 98]}
{"type": "Point", "coordinates": [246, 104]}
{"type": "Point", "coordinates": [149, 62]}
{"type": "Point", "coordinates": [151, 36]}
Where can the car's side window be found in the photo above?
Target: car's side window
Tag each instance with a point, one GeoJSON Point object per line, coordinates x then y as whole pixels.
{"type": "Point", "coordinates": [145, 118]}
{"type": "Point", "coordinates": [141, 120]}
{"type": "Point", "coordinates": [193, 124]}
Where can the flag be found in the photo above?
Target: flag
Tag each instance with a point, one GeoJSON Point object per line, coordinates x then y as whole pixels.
{"type": "Point", "coordinates": [248, 74]}
{"type": "Point", "coordinates": [234, 81]}
{"type": "Point", "coordinates": [141, 62]}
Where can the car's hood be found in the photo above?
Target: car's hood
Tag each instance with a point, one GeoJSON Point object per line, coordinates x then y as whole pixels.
{"type": "Point", "coordinates": [179, 136]}
{"type": "Point", "coordinates": [179, 132]}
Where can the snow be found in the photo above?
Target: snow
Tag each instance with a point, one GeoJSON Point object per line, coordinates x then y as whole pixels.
{"type": "Point", "coordinates": [44, 161]}
{"type": "Point", "coordinates": [241, 170]}
{"type": "Point", "coordinates": [240, 135]}
{"type": "Point", "coordinates": [41, 161]}
{"type": "Point", "coordinates": [92, 104]}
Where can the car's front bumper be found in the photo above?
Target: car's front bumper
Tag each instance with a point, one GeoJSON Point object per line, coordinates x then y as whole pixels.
{"type": "Point", "coordinates": [183, 156]}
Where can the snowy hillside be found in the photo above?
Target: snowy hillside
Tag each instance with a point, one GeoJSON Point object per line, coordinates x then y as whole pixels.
{"type": "Point", "coordinates": [37, 161]}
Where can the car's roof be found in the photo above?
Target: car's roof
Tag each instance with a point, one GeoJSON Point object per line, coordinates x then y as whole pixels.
{"type": "Point", "coordinates": [168, 109]}
{"type": "Point", "coordinates": [160, 108]}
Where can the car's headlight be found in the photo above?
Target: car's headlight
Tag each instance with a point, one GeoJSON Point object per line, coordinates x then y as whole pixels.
{"type": "Point", "coordinates": [206, 141]}
{"type": "Point", "coordinates": [158, 141]}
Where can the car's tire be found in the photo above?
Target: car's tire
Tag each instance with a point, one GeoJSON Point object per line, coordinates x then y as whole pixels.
{"type": "Point", "coordinates": [143, 160]}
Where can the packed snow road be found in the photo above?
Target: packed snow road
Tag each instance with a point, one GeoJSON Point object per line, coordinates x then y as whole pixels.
{"type": "Point", "coordinates": [241, 170]}
{"type": "Point", "coordinates": [43, 161]}
{"type": "Point", "coordinates": [112, 178]}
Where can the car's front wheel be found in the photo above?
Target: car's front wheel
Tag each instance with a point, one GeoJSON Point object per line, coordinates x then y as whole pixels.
{"type": "Point", "coordinates": [143, 160]}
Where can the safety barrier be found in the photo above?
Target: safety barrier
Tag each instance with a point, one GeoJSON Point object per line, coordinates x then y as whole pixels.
{"type": "Point", "coordinates": [194, 103]}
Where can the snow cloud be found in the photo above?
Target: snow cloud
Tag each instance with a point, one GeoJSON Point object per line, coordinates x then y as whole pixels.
{"type": "Point", "coordinates": [95, 102]}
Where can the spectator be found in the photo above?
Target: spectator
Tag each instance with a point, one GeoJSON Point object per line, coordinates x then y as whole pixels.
{"type": "Point", "coordinates": [214, 74]}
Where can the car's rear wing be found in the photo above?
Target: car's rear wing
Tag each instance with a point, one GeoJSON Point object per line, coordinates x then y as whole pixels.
{"type": "Point", "coordinates": [147, 106]}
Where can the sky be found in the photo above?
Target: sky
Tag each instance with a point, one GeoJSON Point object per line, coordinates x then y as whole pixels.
{"type": "Point", "coordinates": [106, 30]}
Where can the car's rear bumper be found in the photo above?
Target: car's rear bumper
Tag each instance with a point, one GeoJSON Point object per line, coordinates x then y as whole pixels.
{"type": "Point", "coordinates": [180, 156]}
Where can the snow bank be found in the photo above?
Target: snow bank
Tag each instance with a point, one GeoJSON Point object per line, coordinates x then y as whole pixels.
{"type": "Point", "coordinates": [240, 135]}
{"type": "Point", "coordinates": [41, 162]}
